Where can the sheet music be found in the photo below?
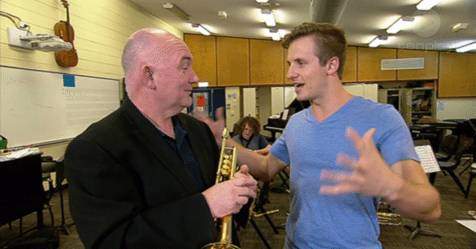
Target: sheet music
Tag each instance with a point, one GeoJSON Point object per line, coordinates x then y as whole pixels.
{"type": "Point", "coordinates": [427, 159]}
{"type": "Point", "coordinates": [470, 224]}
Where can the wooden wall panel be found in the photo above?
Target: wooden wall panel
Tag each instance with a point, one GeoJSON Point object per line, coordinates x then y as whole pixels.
{"type": "Point", "coordinates": [266, 62]}
{"type": "Point", "coordinates": [350, 66]}
{"type": "Point", "coordinates": [431, 65]}
{"type": "Point", "coordinates": [203, 49]}
{"type": "Point", "coordinates": [368, 61]}
{"type": "Point", "coordinates": [457, 77]}
{"type": "Point", "coordinates": [286, 67]}
{"type": "Point", "coordinates": [233, 61]}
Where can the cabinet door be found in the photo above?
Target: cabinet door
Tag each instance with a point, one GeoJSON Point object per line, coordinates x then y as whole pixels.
{"type": "Point", "coordinates": [233, 61]}
{"type": "Point", "coordinates": [350, 66]}
{"type": "Point", "coordinates": [286, 67]}
{"type": "Point", "coordinates": [368, 61]}
{"type": "Point", "coordinates": [266, 61]}
{"type": "Point", "coordinates": [203, 50]}
{"type": "Point", "coordinates": [457, 77]}
{"type": "Point", "coordinates": [430, 71]}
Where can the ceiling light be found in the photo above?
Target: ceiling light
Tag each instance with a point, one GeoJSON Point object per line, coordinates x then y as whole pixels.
{"type": "Point", "coordinates": [459, 26]}
{"type": "Point", "coordinates": [465, 48]}
{"type": "Point", "coordinates": [268, 17]}
{"type": "Point", "coordinates": [203, 84]}
{"type": "Point", "coordinates": [262, 1]}
{"type": "Point", "coordinates": [222, 14]}
{"type": "Point", "coordinates": [275, 36]}
{"type": "Point", "coordinates": [201, 29]}
{"type": "Point", "coordinates": [427, 4]}
{"type": "Point", "coordinates": [176, 11]}
{"type": "Point", "coordinates": [377, 41]}
{"type": "Point", "coordinates": [400, 24]}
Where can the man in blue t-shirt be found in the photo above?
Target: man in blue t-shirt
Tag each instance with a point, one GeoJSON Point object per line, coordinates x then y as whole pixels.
{"type": "Point", "coordinates": [345, 153]}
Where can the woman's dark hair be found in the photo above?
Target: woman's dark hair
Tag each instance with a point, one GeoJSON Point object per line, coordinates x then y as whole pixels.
{"type": "Point", "coordinates": [252, 122]}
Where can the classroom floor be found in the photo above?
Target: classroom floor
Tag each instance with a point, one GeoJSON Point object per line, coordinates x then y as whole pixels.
{"type": "Point", "coordinates": [454, 206]}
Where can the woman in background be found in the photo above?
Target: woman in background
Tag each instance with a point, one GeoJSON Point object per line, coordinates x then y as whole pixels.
{"type": "Point", "coordinates": [249, 134]}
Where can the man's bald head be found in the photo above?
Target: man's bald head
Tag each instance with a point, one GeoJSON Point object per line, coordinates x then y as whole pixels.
{"type": "Point", "coordinates": [141, 43]}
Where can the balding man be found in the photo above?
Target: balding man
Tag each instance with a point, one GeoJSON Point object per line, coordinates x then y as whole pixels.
{"type": "Point", "coordinates": [143, 177]}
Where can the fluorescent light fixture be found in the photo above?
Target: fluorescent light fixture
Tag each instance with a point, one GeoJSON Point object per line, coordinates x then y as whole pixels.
{"type": "Point", "coordinates": [262, 1]}
{"type": "Point", "coordinates": [176, 11]}
{"type": "Point", "coordinates": [377, 41]}
{"type": "Point", "coordinates": [275, 34]}
{"type": "Point", "coordinates": [427, 4]}
{"type": "Point", "coordinates": [465, 48]}
{"type": "Point", "coordinates": [401, 23]}
{"type": "Point", "coordinates": [203, 84]}
{"type": "Point", "coordinates": [283, 33]}
{"type": "Point", "coordinates": [201, 29]}
{"type": "Point", "coordinates": [268, 17]}
{"type": "Point", "coordinates": [459, 26]}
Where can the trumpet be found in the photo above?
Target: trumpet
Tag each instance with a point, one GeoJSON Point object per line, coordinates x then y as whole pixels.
{"type": "Point", "coordinates": [226, 170]}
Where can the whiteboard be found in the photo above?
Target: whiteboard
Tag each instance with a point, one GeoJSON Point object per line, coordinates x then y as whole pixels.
{"type": "Point", "coordinates": [36, 107]}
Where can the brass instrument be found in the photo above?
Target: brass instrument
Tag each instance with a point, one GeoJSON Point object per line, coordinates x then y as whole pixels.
{"type": "Point", "coordinates": [226, 170]}
{"type": "Point", "coordinates": [391, 219]}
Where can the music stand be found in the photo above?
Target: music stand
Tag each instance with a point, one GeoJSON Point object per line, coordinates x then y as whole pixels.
{"type": "Point", "coordinates": [430, 166]}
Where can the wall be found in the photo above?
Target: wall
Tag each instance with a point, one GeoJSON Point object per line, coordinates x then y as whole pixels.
{"type": "Point", "coordinates": [456, 108]}
{"type": "Point", "coordinates": [101, 29]}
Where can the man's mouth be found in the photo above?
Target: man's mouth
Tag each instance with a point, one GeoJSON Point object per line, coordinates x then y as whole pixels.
{"type": "Point", "coordinates": [298, 85]}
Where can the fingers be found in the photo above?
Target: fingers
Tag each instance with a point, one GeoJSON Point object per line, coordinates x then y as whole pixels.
{"type": "Point", "coordinates": [246, 182]}
{"type": "Point", "coordinates": [344, 183]}
{"type": "Point", "coordinates": [363, 143]}
{"type": "Point", "coordinates": [338, 189]}
{"type": "Point", "coordinates": [356, 139]}
{"type": "Point", "coordinates": [345, 160]}
{"type": "Point", "coordinates": [244, 169]}
{"type": "Point", "coordinates": [220, 113]}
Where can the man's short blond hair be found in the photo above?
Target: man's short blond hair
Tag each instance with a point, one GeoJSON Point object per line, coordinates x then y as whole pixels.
{"type": "Point", "coordinates": [329, 41]}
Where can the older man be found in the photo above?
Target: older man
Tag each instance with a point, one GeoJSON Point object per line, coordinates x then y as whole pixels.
{"type": "Point", "coordinates": [143, 176]}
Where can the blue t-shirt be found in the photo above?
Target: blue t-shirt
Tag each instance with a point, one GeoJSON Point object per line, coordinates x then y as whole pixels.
{"type": "Point", "coordinates": [309, 146]}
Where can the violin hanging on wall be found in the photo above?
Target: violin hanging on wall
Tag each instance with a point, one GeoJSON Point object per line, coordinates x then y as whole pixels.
{"type": "Point", "coordinates": [65, 31]}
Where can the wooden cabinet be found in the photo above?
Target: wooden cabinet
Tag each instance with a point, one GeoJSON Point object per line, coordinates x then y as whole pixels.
{"type": "Point", "coordinates": [350, 65]}
{"type": "Point", "coordinates": [266, 62]}
{"type": "Point", "coordinates": [430, 71]}
{"type": "Point", "coordinates": [203, 50]}
{"type": "Point", "coordinates": [286, 67]}
{"type": "Point", "coordinates": [233, 61]}
{"type": "Point", "coordinates": [457, 76]}
{"type": "Point", "coordinates": [368, 61]}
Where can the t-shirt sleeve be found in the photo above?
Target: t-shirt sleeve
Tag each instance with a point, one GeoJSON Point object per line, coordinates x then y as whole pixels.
{"type": "Point", "coordinates": [396, 144]}
{"type": "Point", "coordinates": [280, 150]}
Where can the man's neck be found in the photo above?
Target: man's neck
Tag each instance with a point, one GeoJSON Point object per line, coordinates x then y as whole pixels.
{"type": "Point", "coordinates": [161, 118]}
{"type": "Point", "coordinates": [330, 102]}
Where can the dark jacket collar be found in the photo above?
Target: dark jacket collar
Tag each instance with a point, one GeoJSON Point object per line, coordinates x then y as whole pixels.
{"type": "Point", "coordinates": [149, 135]}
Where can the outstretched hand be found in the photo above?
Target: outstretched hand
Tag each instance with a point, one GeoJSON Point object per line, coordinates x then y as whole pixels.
{"type": "Point", "coordinates": [216, 126]}
{"type": "Point", "coordinates": [369, 175]}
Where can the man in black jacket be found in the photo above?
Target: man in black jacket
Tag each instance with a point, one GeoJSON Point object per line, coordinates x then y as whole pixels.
{"type": "Point", "coordinates": [143, 177]}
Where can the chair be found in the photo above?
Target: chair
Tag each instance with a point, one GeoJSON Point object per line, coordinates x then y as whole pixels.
{"type": "Point", "coordinates": [472, 174]}
{"type": "Point", "coordinates": [447, 147]}
{"type": "Point", "coordinates": [454, 161]}
{"type": "Point", "coordinates": [49, 166]}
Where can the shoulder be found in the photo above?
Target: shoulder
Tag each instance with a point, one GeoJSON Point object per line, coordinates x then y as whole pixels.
{"type": "Point", "coordinates": [191, 123]}
{"type": "Point", "coordinates": [379, 112]}
{"type": "Point", "coordinates": [299, 116]}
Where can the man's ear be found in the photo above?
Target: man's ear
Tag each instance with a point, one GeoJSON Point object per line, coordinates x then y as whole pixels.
{"type": "Point", "coordinates": [148, 77]}
{"type": "Point", "coordinates": [333, 65]}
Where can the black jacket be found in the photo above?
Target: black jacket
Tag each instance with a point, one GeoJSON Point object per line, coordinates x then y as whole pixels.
{"type": "Point", "coordinates": [129, 189]}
